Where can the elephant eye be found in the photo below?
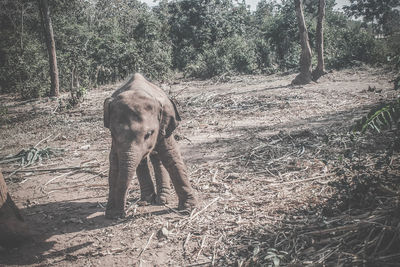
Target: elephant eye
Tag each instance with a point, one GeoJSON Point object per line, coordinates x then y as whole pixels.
{"type": "Point", "coordinates": [148, 134]}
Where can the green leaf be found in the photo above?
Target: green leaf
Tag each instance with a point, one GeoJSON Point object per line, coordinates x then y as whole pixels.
{"type": "Point", "coordinates": [381, 118]}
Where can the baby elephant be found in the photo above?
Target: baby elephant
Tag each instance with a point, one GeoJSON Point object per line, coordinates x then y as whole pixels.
{"type": "Point", "coordinates": [141, 119]}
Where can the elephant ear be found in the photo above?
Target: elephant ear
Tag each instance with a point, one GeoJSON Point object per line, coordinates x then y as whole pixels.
{"type": "Point", "coordinates": [169, 119]}
{"type": "Point", "coordinates": [106, 116]}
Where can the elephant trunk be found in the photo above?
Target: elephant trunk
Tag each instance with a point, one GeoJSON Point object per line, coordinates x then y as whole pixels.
{"type": "Point", "coordinates": [127, 163]}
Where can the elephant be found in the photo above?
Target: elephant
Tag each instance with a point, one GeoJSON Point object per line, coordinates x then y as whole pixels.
{"type": "Point", "coordinates": [141, 119]}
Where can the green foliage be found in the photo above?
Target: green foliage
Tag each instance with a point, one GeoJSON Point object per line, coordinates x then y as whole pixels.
{"type": "Point", "coordinates": [275, 257]}
{"type": "Point", "coordinates": [21, 51]}
{"type": "Point", "coordinates": [383, 117]}
{"type": "Point", "coordinates": [203, 30]}
{"type": "Point", "coordinates": [279, 29]}
{"type": "Point", "coordinates": [393, 53]}
{"type": "Point", "coordinates": [383, 12]}
{"type": "Point", "coordinates": [233, 54]}
{"type": "Point", "coordinates": [349, 43]}
{"type": "Point", "coordinates": [77, 96]}
{"type": "Point", "coordinates": [103, 41]}
{"type": "Point", "coordinates": [28, 65]}
{"type": "Point", "coordinates": [263, 58]}
{"type": "Point", "coordinates": [32, 155]}
{"type": "Point", "coordinates": [266, 257]}
{"type": "Point", "coordinates": [353, 47]}
{"type": "Point", "coordinates": [96, 43]}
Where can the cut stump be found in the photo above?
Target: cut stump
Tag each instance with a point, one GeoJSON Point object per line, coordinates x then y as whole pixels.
{"type": "Point", "coordinates": [13, 229]}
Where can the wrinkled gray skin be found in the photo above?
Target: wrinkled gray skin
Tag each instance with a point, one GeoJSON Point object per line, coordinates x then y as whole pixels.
{"type": "Point", "coordinates": [141, 119]}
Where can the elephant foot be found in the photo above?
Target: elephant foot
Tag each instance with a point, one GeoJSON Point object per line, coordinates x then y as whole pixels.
{"type": "Point", "coordinates": [163, 197]}
{"type": "Point", "coordinates": [188, 204]}
{"type": "Point", "coordinates": [114, 211]}
{"type": "Point", "coordinates": [115, 214]}
{"type": "Point", "coordinates": [147, 199]}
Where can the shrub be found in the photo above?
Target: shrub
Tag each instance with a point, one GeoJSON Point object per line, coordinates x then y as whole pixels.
{"type": "Point", "coordinates": [234, 54]}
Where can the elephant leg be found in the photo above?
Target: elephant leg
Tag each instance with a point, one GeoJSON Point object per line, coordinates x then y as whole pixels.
{"type": "Point", "coordinates": [163, 181]}
{"type": "Point", "coordinates": [113, 174]}
{"type": "Point", "coordinates": [146, 183]}
{"type": "Point", "coordinates": [171, 158]}
{"type": "Point", "coordinates": [112, 180]}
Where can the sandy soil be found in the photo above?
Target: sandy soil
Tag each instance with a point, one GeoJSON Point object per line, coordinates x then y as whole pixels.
{"type": "Point", "coordinates": [258, 150]}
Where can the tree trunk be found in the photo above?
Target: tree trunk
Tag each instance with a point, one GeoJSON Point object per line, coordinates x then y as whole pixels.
{"type": "Point", "coordinates": [51, 48]}
{"type": "Point", "coordinates": [304, 76]}
{"type": "Point", "coordinates": [320, 69]}
{"type": "Point", "coordinates": [13, 230]}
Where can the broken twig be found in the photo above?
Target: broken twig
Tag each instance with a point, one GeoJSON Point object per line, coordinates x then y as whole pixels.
{"type": "Point", "coordinates": [202, 210]}
{"type": "Point", "coordinates": [147, 244]}
{"type": "Point", "coordinates": [55, 169]}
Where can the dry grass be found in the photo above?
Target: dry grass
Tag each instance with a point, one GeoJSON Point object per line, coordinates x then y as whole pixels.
{"type": "Point", "coordinates": [279, 179]}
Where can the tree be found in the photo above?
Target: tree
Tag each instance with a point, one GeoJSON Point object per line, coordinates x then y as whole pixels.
{"type": "Point", "coordinates": [13, 229]}
{"type": "Point", "coordinates": [304, 76]}
{"type": "Point", "coordinates": [373, 11]}
{"type": "Point", "coordinates": [211, 37]}
{"type": "Point", "coordinates": [51, 48]}
{"type": "Point", "coordinates": [320, 69]}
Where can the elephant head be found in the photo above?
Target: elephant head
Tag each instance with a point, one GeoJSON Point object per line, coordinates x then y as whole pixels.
{"type": "Point", "coordinates": [137, 115]}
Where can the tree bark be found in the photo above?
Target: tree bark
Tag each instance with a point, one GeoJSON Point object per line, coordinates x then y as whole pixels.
{"type": "Point", "coordinates": [51, 47]}
{"type": "Point", "coordinates": [13, 229]}
{"type": "Point", "coordinates": [304, 76]}
{"type": "Point", "coordinates": [320, 69]}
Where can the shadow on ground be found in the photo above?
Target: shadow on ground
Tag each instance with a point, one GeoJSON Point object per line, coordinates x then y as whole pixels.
{"type": "Point", "coordinates": [58, 218]}
{"type": "Point", "coordinates": [301, 134]}
{"type": "Point", "coordinates": [358, 225]}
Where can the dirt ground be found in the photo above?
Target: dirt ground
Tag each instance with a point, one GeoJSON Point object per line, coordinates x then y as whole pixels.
{"type": "Point", "coordinates": [262, 156]}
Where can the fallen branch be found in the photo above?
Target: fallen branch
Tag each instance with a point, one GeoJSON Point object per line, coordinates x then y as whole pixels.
{"type": "Point", "coordinates": [41, 141]}
{"type": "Point", "coordinates": [175, 210]}
{"type": "Point", "coordinates": [8, 160]}
{"type": "Point", "coordinates": [215, 250]}
{"type": "Point", "coordinates": [388, 257]}
{"type": "Point", "coordinates": [59, 176]}
{"type": "Point", "coordinates": [350, 227]}
{"type": "Point", "coordinates": [147, 244]}
{"type": "Point", "coordinates": [201, 246]}
{"type": "Point", "coordinates": [202, 210]}
{"type": "Point", "coordinates": [55, 169]}
{"type": "Point", "coordinates": [207, 263]}
{"type": "Point", "coordinates": [186, 241]}
{"type": "Point", "coordinates": [303, 180]}
{"type": "Point", "coordinates": [32, 155]}
{"type": "Point", "coordinates": [79, 185]}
